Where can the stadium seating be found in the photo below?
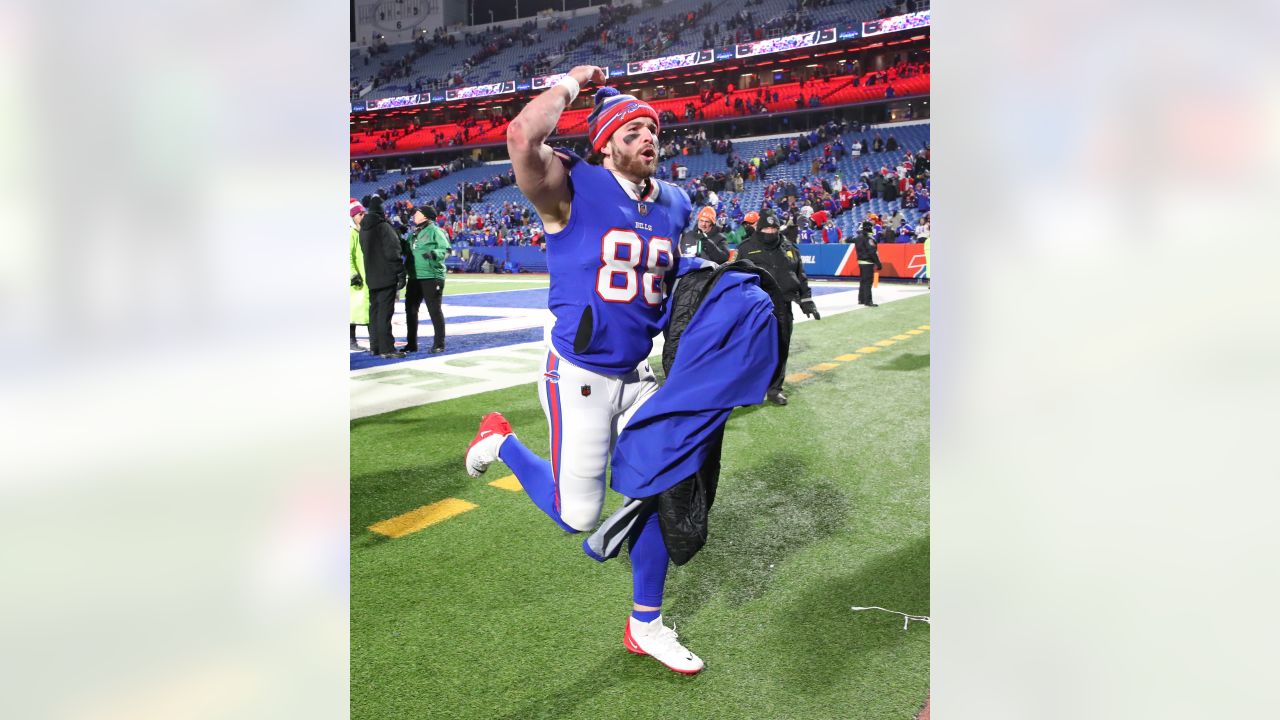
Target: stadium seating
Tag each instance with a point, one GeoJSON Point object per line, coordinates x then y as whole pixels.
{"type": "Point", "coordinates": [909, 136]}
{"type": "Point", "coordinates": [441, 61]}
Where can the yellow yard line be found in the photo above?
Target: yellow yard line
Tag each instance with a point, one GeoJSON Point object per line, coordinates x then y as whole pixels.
{"type": "Point", "coordinates": [797, 377]}
{"type": "Point", "coordinates": [423, 517]}
{"type": "Point", "coordinates": [823, 367]}
{"type": "Point", "coordinates": [883, 343]}
{"type": "Point", "coordinates": [508, 483]}
{"type": "Point", "coordinates": [849, 357]}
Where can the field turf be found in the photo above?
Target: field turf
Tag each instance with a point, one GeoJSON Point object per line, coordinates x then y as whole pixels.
{"type": "Point", "coordinates": [823, 504]}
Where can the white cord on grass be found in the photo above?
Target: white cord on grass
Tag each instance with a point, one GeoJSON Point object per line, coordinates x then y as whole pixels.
{"type": "Point", "coordinates": [906, 622]}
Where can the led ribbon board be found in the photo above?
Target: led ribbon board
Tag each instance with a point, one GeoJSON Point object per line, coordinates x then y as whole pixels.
{"type": "Point", "coordinates": [789, 42]}
{"type": "Point", "coordinates": [670, 62]}
{"type": "Point", "coordinates": [476, 91]}
{"type": "Point", "coordinates": [896, 23]}
{"type": "Point", "coordinates": [547, 81]}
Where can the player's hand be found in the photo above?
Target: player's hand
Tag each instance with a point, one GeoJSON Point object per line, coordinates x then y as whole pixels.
{"type": "Point", "coordinates": [356, 281]}
{"type": "Point", "coordinates": [808, 308]}
{"type": "Point", "coordinates": [588, 74]}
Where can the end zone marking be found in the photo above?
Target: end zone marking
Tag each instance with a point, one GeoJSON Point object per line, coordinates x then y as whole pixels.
{"type": "Point", "coordinates": [423, 517]}
{"type": "Point", "coordinates": [849, 357]}
{"type": "Point", "coordinates": [508, 483]}
{"type": "Point", "coordinates": [823, 367]}
{"type": "Point", "coordinates": [797, 377]}
{"type": "Point", "coordinates": [867, 349]}
{"type": "Point", "coordinates": [883, 343]}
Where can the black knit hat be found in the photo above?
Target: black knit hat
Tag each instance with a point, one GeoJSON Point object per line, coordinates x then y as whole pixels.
{"type": "Point", "coordinates": [768, 219]}
{"type": "Point", "coordinates": [374, 205]}
{"type": "Point", "coordinates": [427, 211]}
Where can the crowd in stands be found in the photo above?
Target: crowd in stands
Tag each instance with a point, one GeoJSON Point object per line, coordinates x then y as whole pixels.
{"type": "Point", "coordinates": [809, 205]}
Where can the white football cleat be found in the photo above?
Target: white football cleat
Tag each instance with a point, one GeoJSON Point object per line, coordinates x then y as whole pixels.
{"type": "Point", "coordinates": [654, 638]}
{"type": "Point", "coordinates": [483, 450]}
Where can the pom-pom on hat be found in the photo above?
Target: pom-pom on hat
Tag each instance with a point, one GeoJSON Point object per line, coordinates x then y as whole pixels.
{"type": "Point", "coordinates": [612, 111]}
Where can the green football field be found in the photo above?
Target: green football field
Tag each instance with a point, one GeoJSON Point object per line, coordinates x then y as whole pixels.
{"type": "Point", "coordinates": [494, 612]}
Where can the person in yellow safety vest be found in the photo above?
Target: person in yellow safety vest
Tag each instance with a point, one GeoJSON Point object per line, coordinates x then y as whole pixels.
{"type": "Point", "coordinates": [359, 295]}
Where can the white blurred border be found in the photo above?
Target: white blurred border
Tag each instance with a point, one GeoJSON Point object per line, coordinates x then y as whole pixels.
{"type": "Point", "coordinates": [1105, 352]}
{"type": "Point", "coordinates": [173, 499]}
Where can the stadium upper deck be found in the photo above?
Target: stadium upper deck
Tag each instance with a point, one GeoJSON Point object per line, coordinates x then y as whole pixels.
{"type": "Point", "coordinates": [549, 45]}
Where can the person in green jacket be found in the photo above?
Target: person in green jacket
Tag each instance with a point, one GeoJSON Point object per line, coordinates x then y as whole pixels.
{"type": "Point", "coordinates": [359, 295]}
{"type": "Point", "coordinates": [428, 247]}
{"type": "Point", "coordinates": [740, 233]}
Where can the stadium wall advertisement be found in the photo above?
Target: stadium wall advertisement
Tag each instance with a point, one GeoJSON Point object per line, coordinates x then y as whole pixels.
{"type": "Point", "coordinates": [904, 260]}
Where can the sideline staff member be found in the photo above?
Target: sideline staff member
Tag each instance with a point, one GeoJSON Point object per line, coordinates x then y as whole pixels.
{"type": "Point", "coordinates": [767, 249]}
{"type": "Point", "coordinates": [704, 241]}
{"type": "Point", "coordinates": [427, 250]}
{"type": "Point", "coordinates": [384, 276]}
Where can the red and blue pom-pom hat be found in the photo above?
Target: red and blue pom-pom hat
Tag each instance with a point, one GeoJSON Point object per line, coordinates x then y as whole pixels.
{"type": "Point", "coordinates": [612, 111]}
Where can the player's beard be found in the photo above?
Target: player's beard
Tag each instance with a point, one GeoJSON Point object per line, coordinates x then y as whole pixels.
{"type": "Point", "coordinates": [633, 164]}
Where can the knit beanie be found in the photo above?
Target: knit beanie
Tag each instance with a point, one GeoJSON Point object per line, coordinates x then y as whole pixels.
{"type": "Point", "coordinates": [356, 207]}
{"type": "Point", "coordinates": [612, 111]}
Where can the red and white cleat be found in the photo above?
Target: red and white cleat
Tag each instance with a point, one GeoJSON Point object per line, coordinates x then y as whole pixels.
{"type": "Point", "coordinates": [655, 639]}
{"type": "Point", "coordinates": [483, 450]}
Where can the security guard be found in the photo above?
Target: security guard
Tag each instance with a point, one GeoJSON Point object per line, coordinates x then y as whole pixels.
{"type": "Point", "coordinates": [767, 249]}
{"type": "Point", "coordinates": [705, 241]}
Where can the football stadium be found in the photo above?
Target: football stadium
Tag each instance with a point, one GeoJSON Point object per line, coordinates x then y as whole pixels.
{"type": "Point", "coordinates": [805, 122]}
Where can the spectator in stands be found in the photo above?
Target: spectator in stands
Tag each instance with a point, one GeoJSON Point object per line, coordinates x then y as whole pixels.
{"type": "Point", "coordinates": [877, 145]}
{"type": "Point", "coordinates": [384, 276]}
{"type": "Point", "coordinates": [922, 229]}
{"type": "Point", "coordinates": [428, 249]}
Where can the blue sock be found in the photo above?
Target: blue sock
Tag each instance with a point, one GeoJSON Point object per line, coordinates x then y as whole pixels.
{"type": "Point", "coordinates": [535, 477]}
{"type": "Point", "coordinates": [649, 561]}
{"type": "Point", "coordinates": [645, 616]}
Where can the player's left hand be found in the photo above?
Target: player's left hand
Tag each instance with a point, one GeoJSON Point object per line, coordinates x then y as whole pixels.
{"type": "Point", "coordinates": [808, 308]}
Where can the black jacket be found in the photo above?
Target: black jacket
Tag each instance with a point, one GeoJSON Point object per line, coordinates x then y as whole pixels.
{"type": "Point", "coordinates": [782, 261]}
{"type": "Point", "coordinates": [713, 247]}
{"type": "Point", "coordinates": [682, 508]}
{"type": "Point", "coordinates": [866, 249]}
{"type": "Point", "coordinates": [383, 265]}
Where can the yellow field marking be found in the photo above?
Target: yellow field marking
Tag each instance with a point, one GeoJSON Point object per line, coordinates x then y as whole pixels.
{"type": "Point", "coordinates": [508, 483]}
{"type": "Point", "coordinates": [423, 517]}
{"type": "Point", "coordinates": [901, 337]}
{"type": "Point", "coordinates": [849, 357]}
{"type": "Point", "coordinates": [883, 343]}
{"type": "Point", "coordinates": [924, 327]}
{"type": "Point", "coordinates": [823, 367]}
{"type": "Point", "coordinates": [797, 377]}
{"type": "Point", "coordinates": [915, 332]}
{"type": "Point", "coordinates": [867, 349]}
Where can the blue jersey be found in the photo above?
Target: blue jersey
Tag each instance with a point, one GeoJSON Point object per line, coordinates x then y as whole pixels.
{"type": "Point", "coordinates": [609, 268]}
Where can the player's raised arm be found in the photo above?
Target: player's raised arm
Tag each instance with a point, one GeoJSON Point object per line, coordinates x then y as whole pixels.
{"type": "Point", "coordinates": [539, 175]}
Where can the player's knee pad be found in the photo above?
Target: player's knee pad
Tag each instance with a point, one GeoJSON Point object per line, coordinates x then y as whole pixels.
{"type": "Point", "coordinates": [580, 518]}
